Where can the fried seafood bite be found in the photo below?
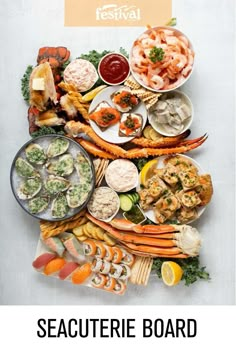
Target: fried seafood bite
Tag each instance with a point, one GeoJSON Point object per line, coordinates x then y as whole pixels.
{"type": "Point", "coordinates": [165, 207]}
{"type": "Point", "coordinates": [169, 174]}
{"type": "Point", "coordinates": [42, 87]}
{"type": "Point", "coordinates": [205, 189]}
{"type": "Point", "coordinates": [185, 215]}
{"type": "Point", "coordinates": [181, 163]}
{"type": "Point", "coordinates": [155, 188]}
{"type": "Point", "coordinates": [188, 199]}
{"type": "Point", "coordinates": [189, 179]}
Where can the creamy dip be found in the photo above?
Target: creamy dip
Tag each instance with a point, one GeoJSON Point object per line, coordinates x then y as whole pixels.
{"type": "Point", "coordinates": [81, 73]}
{"type": "Point", "coordinates": [104, 203]}
{"type": "Point", "coordinates": [122, 175]}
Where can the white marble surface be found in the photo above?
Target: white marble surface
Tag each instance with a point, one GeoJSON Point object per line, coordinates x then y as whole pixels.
{"type": "Point", "coordinates": [25, 26]}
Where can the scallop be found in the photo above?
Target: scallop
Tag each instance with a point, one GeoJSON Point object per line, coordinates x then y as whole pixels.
{"type": "Point", "coordinates": [54, 184]}
{"type": "Point", "coordinates": [63, 166]}
{"type": "Point", "coordinates": [38, 204]}
{"type": "Point", "coordinates": [35, 154]}
{"type": "Point", "coordinates": [29, 188]}
{"type": "Point", "coordinates": [25, 169]}
{"type": "Point", "coordinates": [77, 194]}
{"type": "Point", "coordinates": [83, 168]}
{"type": "Point", "coordinates": [57, 147]}
{"type": "Point", "coordinates": [59, 207]}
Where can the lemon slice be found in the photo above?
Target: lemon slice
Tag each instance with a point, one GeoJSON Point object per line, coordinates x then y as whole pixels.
{"type": "Point", "coordinates": [91, 94]}
{"type": "Point", "coordinates": [147, 171]}
{"type": "Point", "coordinates": [171, 273]}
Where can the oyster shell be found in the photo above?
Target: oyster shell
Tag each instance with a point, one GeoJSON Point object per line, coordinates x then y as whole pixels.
{"type": "Point", "coordinates": [35, 154]}
{"type": "Point", "coordinates": [55, 184]}
{"type": "Point", "coordinates": [38, 204]}
{"type": "Point", "coordinates": [63, 166]}
{"type": "Point", "coordinates": [57, 147]}
{"type": "Point", "coordinates": [59, 207]}
{"type": "Point", "coordinates": [25, 169]}
{"type": "Point", "coordinates": [77, 194]}
{"type": "Point", "coordinates": [83, 168]}
{"type": "Point", "coordinates": [29, 188]}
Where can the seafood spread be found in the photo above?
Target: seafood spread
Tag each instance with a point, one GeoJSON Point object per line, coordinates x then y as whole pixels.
{"type": "Point", "coordinates": [114, 68]}
{"type": "Point", "coordinates": [131, 124]}
{"type": "Point", "coordinates": [171, 114]}
{"type": "Point", "coordinates": [104, 203]}
{"type": "Point", "coordinates": [121, 175]}
{"type": "Point", "coordinates": [176, 191]}
{"type": "Point", "coordinates": [124, 100]}
{"type": "Point", "coordinates": [162, 58]}
{"type": "Point", "coordinates": [81, 73]}
{"type": "Point", "coordinates": [104, 115]}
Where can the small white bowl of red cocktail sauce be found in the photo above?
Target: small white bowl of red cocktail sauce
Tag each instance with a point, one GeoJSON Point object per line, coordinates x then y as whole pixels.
{"type": "Point", "coordinates": [114, 68]}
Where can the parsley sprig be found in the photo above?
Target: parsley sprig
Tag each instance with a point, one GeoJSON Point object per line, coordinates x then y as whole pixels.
{"type": "Point", "coordinates": [156, 54]}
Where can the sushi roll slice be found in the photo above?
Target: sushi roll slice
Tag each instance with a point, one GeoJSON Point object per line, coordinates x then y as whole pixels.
{"type": "Point", "coordinates": [73, 246]}
{"type": "Point", "coordinates": [115, 271]}
{"type": "Point", "coordinates": [42, 260]}
{"type": "Point", "coordinates": [67, 270]}
{"type": "Point", "coordinates": [119, 288]}
{"type": "Point", "coordinates": [125, 273]}
{"type": "Point", "coordinates": [97, 265]}
{"type": "Point", "coordinates": [127, 258]}
{"type": "Point", "coordinates": [55, 245]}
{"type": "Point", "coordinates": [101, 250]}
{"type": "Point", "coordinates": [109, 253]}
{"type": "Point", "coordinates": [98, 281]}
{"type": "Point", "coordinates": [105, 268]}
{"type": "Point", "coordinates": [80, 275]}
{"type": "Point", "coordinates": [124, 101]}
{"type": "Point", "coordinates": [110, 284]}
{"type": "Point", "coordinates": [117, 258]}
{"type": "Point", "coordinates": [54, 266]}
{"type": "Point", "coordinates": [89, 248]}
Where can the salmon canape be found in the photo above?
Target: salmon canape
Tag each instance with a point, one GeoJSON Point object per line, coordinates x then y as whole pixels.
{"type": "Point", "coordinates": [104, 115]}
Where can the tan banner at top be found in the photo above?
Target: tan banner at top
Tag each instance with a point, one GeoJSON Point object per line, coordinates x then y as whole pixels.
{"type": "Point", "coordinates": [117, 12]}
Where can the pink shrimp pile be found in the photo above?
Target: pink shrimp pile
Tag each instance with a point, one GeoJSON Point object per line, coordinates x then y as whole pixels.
{"type": "Point", "coordinates": [172, 70]}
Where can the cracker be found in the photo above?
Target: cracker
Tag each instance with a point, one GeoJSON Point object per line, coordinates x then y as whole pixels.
{"type": "Point", "coordinates": [132, 83]}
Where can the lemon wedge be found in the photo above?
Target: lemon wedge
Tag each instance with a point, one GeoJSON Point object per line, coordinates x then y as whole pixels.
{"type": "Point", "coordinates": [147, 171]}
{"type": "Point", "coordinates": [171, 273]}
{"type": "Point", "coordinates": [91, 94]}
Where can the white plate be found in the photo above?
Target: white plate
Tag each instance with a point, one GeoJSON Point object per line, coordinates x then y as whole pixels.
{"type": "Point", "coordinates": [150, 213]}
{"type": "Point", "coordinates": [111, 134]}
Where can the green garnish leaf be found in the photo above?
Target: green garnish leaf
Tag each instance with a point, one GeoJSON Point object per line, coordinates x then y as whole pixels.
{"type": "Point", "coordinates": [25, 90]}
{"type": "Point", "coordinates": [172, 22]}
{"type": "Point", "coordinates": [156, 54]}
{"type": "Point", "coordinates": [192, 271]}
{"type": "Point", "coordinates": [124, 52]}
{"type": "Point", "coordinates": [47, 130]}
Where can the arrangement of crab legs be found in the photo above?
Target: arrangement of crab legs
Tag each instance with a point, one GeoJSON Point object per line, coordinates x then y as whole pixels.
{"type": "Point", "coordinates": [172, 241]}
{"type": "Point", "coordinates": [101, 148]}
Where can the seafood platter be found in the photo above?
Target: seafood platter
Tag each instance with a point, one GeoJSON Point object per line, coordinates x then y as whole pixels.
{"type": "Point", "coordinates": [106, 171]}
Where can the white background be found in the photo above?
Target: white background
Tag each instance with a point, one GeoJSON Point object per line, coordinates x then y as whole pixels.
{"type": "Point", "coordinates": [25, 27]}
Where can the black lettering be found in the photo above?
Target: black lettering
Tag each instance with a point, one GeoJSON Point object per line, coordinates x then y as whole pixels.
{"type": "Point", "coordinates": [159, 323]}
{"type": "Point", "coordinates": [169, 329]}
{"type": "Point", "coordinates": [147, 328]}
{"type": "Point", "coordinates": [194, 328]}
{"type": "Point", "coordinates": [44, 332]}
{"type": "Point", "coordinates": [102, 327]}
{"type": "Point", "coordinates": [115, 325]}
{"type": "Point", "coordinates": [180, 324]}
{"type": "Point", "coordinates": [51, 327]}
{"type": "Point", "coordinates": [94, 321]}
{"type": "Point", "coordinates": [72, 334]}
{"type": "Point", "coordinates": [81, 334]}
{"type": "Point", "coordinates": [130, 327]}
{"type": "Point", "coordinates": [62, 329]}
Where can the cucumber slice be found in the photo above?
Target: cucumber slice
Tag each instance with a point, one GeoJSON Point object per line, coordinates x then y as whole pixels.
{"type": "Point", "coordinates": [126, 203]}
{"type": "Point", "coordinates": [136, 198]}
{"type": "Point", "coordinates": [131, 196]}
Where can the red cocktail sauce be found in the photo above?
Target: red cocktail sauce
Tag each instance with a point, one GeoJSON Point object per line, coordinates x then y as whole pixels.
{"type": "Point", "coordinates": [114, 68]}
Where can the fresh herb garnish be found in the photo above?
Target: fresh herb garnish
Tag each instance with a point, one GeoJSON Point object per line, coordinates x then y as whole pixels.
{"type": "Point", "coordinates": [156, 54]}
{"type": "Point", "coordinates": [172, 22]}
{"type": "Point", "coordinates": [192, 271]}
{"type": "Point", "coordinates": [139, 163]}
{"type": "Point", "coordinates": [25, 83]}
{"type": "Point", "coordinates": [47, 130]}
{"type": "Point", "coordinates": [124, 52]}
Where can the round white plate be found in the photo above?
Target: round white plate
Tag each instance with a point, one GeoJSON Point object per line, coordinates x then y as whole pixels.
{"type": "Point", "coordinates": [150, 213]}
{"type": "Point", "coordinates": [111, 134]}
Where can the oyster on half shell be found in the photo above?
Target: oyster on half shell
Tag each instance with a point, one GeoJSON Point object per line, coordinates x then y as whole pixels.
{"type": "Point", "coordinates": [59, 207]}
{"type": "Point", "coordinates": [55, 184]}
{"type": "Point", "coordinates": [57, 147]}
{"type": "Point", "coordinates": [77, 194]}
{"type": "Point", "coordinates": [29, 188]}
{"type": "Point", "coordinates": [25, 169]}
{"type": "Point", "coordinates": [83, 168]}
{"type": "Point", "coordinates": [63, 166]}
{"type": "Point", "coordinates": [38, 204]}
{"type": "Point", "coordinates": [35, 154]}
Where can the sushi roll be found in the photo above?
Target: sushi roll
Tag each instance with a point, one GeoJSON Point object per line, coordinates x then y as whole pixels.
{"type": "Point", "coordinates": [110, 284]}
{"type": "Point", "coordinates": [105, 268]}
{"type": "Point", "coordinates": [73, 246]}
{"type": "Point", "coordinates": [80, 275]}
{"type": "Point", "coordinates": [109, 253]}
{"type": "Point", "coordinates": [117, 255]}
{"type": "Point", "coordinates": [55, 245]}
{"type": "Point", "coordinates": [67, 270]}
{"type": "Point", "coordinates": [54, 266]}
{"type": "Point", "coordinates": [42, 260]}
{"type": "Point", "coordinates": [97, 265]}
{"type": "Point", "coordinates": [89, 248]}
{"type": "Point", "coordinates": [115, 271]}
{"type": "Point", "coordinates": [125, 273]}
{"type": "Point", "coordinates": [127, 258]}
{"type": "Point", "coordinates": [98, 281]}
{"type": "Point", "coordinates": [101, 250]}
{"type": "Point", "coordinates": [119, 288]}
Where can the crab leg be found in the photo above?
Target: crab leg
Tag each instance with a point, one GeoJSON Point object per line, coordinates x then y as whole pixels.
{"type": "Point", "coordinates": [161, 142]}
{"type": "Point", "coordinates": [144, 240]}
{"type": "Point", "coordinates": [139, 253]}
{"type": "Point", "coordinates": [154, 250]}
{"type": "Point", "coordinates": [126, 225]}
{"type": "Point", "coordinates": [192, 141]}
{"type": "Point", "coordinates": [94, 150]}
